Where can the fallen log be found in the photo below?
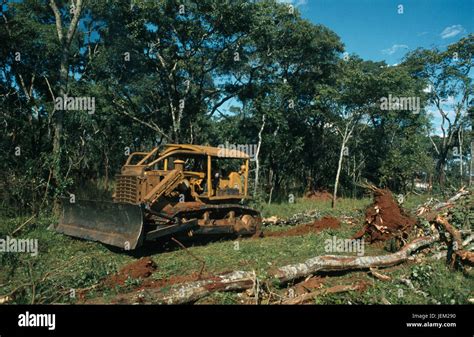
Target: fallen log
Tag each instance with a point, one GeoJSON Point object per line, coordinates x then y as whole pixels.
{"type": "Point", "coordinates": [430, 211]}
{"type": "Point", "coordinates": [295, 219]}
{"type": "Point", "coordinates": [338, 263]}
{"type": "Point", "coordinates": [443, 222]}
{"type": "Point", "coordinates": [193, 291]}
{"type": "Point", "coordinates": [379, 276]}
{"type": "Point", "coordinates": [456, 242]}
{"type": "Point", "coordinates": [461, 193]}
{"type": "Point", "coordinates": [241, 280]}
{"type": "Point", "coordinates": [332, 290]}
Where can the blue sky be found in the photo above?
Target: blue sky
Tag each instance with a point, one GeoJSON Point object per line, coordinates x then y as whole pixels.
{"type": "Point", "coordinates": [375, 30]}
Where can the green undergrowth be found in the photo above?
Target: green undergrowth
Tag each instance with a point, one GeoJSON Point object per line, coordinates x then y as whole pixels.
{"type": "Point", "coordinates": [64, 266]}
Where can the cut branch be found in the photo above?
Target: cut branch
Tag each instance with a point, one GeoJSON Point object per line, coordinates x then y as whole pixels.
{"type": "Point", "coordinates": [337, 263]}
{"type": "Point", "coordinates": [456, 242]}
{"type": "Point", "coordinates": [332, 290]}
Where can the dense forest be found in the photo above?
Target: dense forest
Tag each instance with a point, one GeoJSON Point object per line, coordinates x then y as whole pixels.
{"type": "Point", "coordinates": [84, 83]}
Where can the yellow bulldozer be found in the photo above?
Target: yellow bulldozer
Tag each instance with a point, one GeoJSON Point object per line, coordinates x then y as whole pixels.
{"type": "Point", "coordinates": [188, 189]}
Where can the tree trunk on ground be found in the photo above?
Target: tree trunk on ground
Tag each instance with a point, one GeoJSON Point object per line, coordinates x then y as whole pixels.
{"type": "Point", "coordinates": [450, 201]}
{"type": "Point", "coordinates": [338, 263]}
{"type": "Point", "coordinates": [240, 280]}
{"type": "Point", "coordinates": [333, 290]}
{"type": "Point", "coordinates": [465, 256]}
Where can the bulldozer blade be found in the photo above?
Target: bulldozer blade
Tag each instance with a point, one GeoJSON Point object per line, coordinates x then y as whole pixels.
{"type": "Point", "coordinates": [115, 224]}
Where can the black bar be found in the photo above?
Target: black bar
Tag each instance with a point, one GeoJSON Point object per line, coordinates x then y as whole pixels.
{"type": "Point", "coordinates": [235, 320]}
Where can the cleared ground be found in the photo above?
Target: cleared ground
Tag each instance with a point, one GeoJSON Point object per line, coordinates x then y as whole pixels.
{"type": "Point", "coordinates": [68, 270]}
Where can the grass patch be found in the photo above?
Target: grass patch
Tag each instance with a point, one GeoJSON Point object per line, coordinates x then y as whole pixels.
{"type": "Point", "coordinates": [347, 207]}
{"type": "Point", "coordinates": [64, 263]}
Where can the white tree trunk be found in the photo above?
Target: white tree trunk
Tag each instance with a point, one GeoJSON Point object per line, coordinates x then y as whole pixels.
{"type": "Point", "coordinates": [257, 162]}
{"type": "Point", "coordinates": [471, 171]}
{"type": "Point", "coordinates": [338, 173]}
{"type": "Point", "coordinates": [460, 139]}
{"type": "Point", "coordinates": [345, 137]}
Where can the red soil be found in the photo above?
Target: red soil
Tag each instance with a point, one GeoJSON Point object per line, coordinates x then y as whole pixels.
{"type": "Point", "coordinates": [172, 280]}
{"type": "Point", "coordinates": [385, 219]}
{"type": "Point", "coordinates": [319, 195]}
{"type": "Point", "coordinates": [142, 268]}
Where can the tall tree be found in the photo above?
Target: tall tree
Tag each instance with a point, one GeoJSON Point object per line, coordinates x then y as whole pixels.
{"type": "Point", "coordinates": [448, 80]}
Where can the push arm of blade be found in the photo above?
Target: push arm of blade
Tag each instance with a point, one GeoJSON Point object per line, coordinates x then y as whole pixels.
{"type": "Point", "coordinates": [164, 216]}
{"type": "Point", "coordinates": [166, 186]}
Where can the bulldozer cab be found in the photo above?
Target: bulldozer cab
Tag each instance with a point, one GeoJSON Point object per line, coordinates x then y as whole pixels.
{"type": "Point", "coordinates": [209, 173]}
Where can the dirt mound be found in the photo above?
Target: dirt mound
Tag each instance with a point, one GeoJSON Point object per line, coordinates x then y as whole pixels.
{"type": "Point", "coordinates": [384, 219]}
{"type": "Point", "coordinates": [138, 269]}
{"type": "Point", "coordinates": [314, 227]}
{"type": "Point", "coordinates": [322, 195]}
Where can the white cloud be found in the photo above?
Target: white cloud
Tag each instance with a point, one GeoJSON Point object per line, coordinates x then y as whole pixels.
{"type": "Point", "coordinates": [393, 49]}
{"type": "Point", "coordinates": [301, 2]}
{"type": "Point", "coordinates": [451, 31]}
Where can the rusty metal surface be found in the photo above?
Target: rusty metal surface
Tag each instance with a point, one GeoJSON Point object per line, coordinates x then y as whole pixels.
{"type": "Point", "coordinates": [216, 230]}
{"type": "Point", "coordinates": [172, 179]}
{"type": "Point", "coordinates": [171, 229]}
{"type": "Point", "coordinates": [220, 218]}
{"type": "Point", "coordinates": [199, 207]}
{"type": "Point", "coordinates": [126, 189]}
{"type": "Point", "coordinates": [115, 224]}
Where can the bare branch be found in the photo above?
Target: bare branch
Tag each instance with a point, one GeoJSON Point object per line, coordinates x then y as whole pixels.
{"type": "Point", "coordinates": [59, 22]}
{"type": "Point", "coordinates": [150, 125]}
{"type": "Point", "coordinates": [74, 21]}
